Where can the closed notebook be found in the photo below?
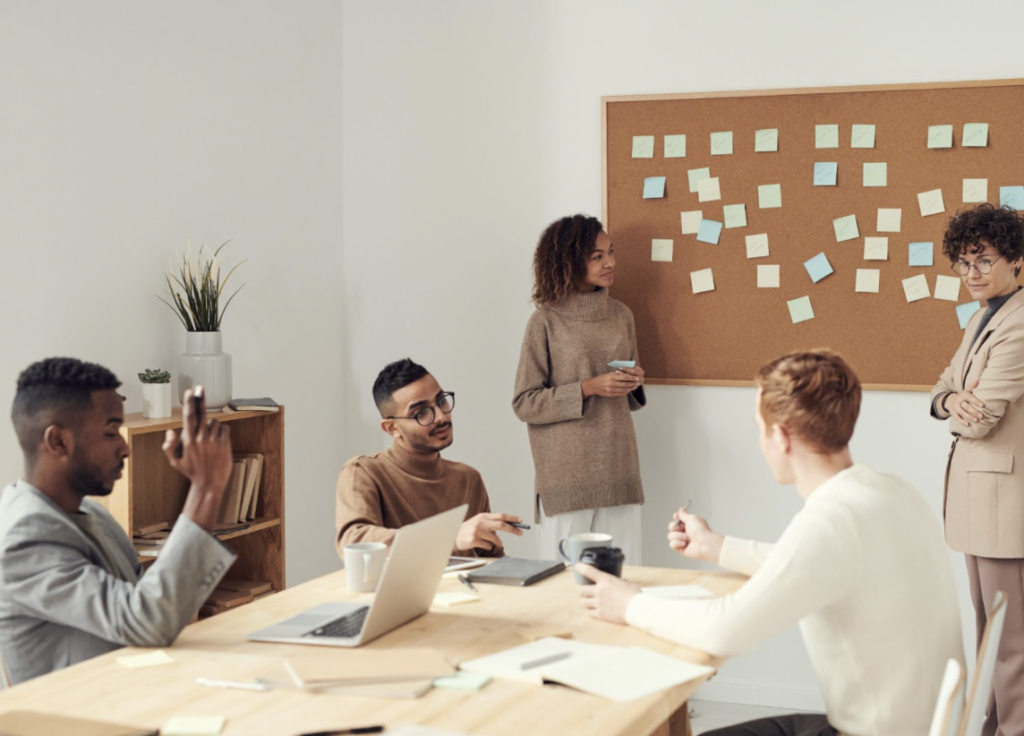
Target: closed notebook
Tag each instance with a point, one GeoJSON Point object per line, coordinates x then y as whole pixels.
{"type": "Point", "coordinates": [33, 723]}
{"type": "Point", "coordinates": [515, 571]}
{"type": "Point", "coordinates": [365, 666]}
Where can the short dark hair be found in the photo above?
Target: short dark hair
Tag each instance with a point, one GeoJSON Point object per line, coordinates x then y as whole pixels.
{"type": "Point", "coordinates": [393, 377]}
{"type": "Point", "coordinates": [968, 232]}
{"type": "Point", "coordinates": [52, 388]}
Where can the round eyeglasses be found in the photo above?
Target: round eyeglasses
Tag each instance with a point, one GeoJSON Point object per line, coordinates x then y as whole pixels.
{"type": "Point", "coordinates": [425, 416]}
{"type": "Point", "coordinates": [984, 266]}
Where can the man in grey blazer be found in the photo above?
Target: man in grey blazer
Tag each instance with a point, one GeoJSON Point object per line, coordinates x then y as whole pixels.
{"type": "Point", "coordinates": [71, 587]}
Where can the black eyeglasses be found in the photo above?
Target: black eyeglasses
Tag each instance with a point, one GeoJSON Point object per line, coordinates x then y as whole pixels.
{"type": "Point", "coordinates": [425, 416]}
{"type": "Point", "coordinates": [983, 265]}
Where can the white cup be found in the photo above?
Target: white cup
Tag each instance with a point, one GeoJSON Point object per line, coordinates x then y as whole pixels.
{"type": "Point", "coordinates": [364, 563]}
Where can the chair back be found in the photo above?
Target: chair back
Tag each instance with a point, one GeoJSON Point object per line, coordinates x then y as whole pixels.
{"type": "Point", "coordinates": [980, 690]}
{"type": "Point", "coordinates": [949, 708]}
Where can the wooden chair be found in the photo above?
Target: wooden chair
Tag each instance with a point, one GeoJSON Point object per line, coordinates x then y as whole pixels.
{"type": "Point", "coordinates": [980, 690]}
{"type": "Point", "coordinates": [949, 709]}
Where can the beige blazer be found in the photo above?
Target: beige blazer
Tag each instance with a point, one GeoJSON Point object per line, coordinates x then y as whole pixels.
{"type": "Point", "coordinates": [983, 504]}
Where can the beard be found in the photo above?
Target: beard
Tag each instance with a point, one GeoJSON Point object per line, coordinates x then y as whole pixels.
{"type": "Point", "coordinates": [87, 480]}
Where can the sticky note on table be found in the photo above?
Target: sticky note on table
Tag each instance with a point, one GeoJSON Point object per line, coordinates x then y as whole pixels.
{"type": "Point", "coordinates": [800, 310]}
{"type": "Point", "coordinates": [721, 143]}
{"type": "Point", "coordinates": [825, 173]}
{"type": "Point", "coordinates": [975, 190]}
{"type": "Point", "coordinates": [768, 277]}
{"type": "Point", "coordinates": [709, 232]}
{"type": "Point", "coordinates": [643, 146]}
{"type": "Point", "coordinates": [947, 287]}
{"type": "Point", "coordinates": [916, 287]}
{"type": "Point", "coordinates": [1011, 197]}
{"type": "Point", "coordinates": [846, 228]}
{"type": "Point", "coordinates": [468, 681]}
{"type": "Point", "coordinates": [455, 598]}
{"type": "Point", "coordinates": [876, 249]}
{"type": "Point", "coordinates": [661, 250]}
{"type": "Point", "coordinates": [922, 254]}
{"type": "Point", "coordinates": [691, 221]}
{"type": "Point", "coordinates": [964, 312]}
{"type": "Point", "coordinates": [769, 196]}
{"type": "Point", "coordinates": [867, 280]}
{"type": "Point", "coordinates": [696, 175]}
{"type": "Point", "coordinates": [975, 135]}
{"type": "Point", "coordinates": [931, 202]}
{"type": "Point", "coordinates": [654, 187]}
{"type": "Point", "coordinates": [875, 174]}
{"type": "Point", "coordinates": [675, 146]}
{"type": "Point", "coordinates": [149, 659]}
{"type": "Point", "coordinates": [862, 136]}
{"type": "Point", "coordinates": [193, 726]}
{"type": "Point", "coordinates": [735, 215]}
{"type": "Point", "coordinates": [940, 136]}
{"type": "Point", "coordinates": [818, 267]}
{"type": "Point", "coordinates": [766, 140]}
{"type": "Point", "coordinates": [826, 136]}
{"type": "Point", "coordinates": [757, 245]}
{"type": "Point", "coordinates": [889, 220]}
{"type": "Point", "coordinates": [709, 190]}
{"type": "Point", "coordinates": [702, 281]}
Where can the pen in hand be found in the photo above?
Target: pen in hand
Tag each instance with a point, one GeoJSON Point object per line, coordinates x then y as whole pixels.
{"type": "Point", "coordinates": [343, 731]}
{"type": "Point", "coordinates": [686, 507]}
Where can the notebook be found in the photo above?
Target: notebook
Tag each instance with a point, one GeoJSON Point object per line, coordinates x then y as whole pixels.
{"type": "Point", "coordinates": [515, 571]}
{"type": "Point", "coordinates": [33, 723]}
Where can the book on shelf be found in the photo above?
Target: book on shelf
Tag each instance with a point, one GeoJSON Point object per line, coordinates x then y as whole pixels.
{"type": "Point", "coordinates": [253, 477]}
{"type": "Point", "coordinates": [233, 493]}
{"type": "Point", "coordinates": [228, 598]}
{"type": "Point", "coordinates": [262, 404]}
{"type": "Point", "coordinates": [251, 587]}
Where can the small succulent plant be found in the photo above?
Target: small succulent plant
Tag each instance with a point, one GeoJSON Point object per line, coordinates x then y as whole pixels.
{"type": "Point", "coordinates": [155, 375]}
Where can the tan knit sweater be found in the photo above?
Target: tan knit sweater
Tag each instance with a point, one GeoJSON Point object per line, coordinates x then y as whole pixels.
{"type": "Point", "coordinates": [379, 494]}
{"type": "Point", "coordinates": [584, 450]}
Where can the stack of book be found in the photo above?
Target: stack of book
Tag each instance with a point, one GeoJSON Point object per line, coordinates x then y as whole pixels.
{"type": "Point", "coordinates": [149, 538]}
{"type": "Point", "coordinates": [231, 593]}
{"type": "Point", "coordinates": [243, 491]}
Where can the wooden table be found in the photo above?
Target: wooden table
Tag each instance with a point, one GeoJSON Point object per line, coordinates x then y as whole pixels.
{"type": "Point", "coordinates": [216, 647]}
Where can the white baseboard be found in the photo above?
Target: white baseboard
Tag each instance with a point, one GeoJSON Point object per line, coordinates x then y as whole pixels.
{"type": "Point", "coordinates": [723, 691]}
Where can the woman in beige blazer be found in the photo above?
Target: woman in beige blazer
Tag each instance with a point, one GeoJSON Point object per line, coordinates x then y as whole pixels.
{"type": "Point", "coordinates": [981, 392]}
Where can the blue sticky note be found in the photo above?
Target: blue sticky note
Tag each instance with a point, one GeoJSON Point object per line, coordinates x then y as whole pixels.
{"type": "Point", "coordinates": [1012, 196]}
{"type": "Point", "coordinates": [965, 311]}
{"type": "Point", "coordinates": [825, 173]}
{"type": "Point", "coordinates": [922, 254]}
{"type": "Point", "coordinates": [654, 187]}
{"type": "Point", "coordinates": [818, 267]}
{"type": "Point", "coordinates": [709, 232]}
{"type": "Point", "coordinates": [616, 364]}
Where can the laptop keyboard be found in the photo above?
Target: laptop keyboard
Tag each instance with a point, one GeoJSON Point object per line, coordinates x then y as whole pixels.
{"type": "Point", "coordinates": [347, 626]}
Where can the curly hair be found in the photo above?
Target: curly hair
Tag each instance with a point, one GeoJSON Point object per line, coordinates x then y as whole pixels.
{"type": "Point", "coordinates": [970, 230]}
{"type": "Point", "coordinates": [560, 261]}
{"type": "Point", "coordinates": [814, 394]}
{"type": "Point", "coordinates": [392, 377]}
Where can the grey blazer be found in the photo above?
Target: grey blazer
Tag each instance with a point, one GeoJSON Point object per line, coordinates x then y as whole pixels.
{"type": "Point", "coordinates": [60, 602]}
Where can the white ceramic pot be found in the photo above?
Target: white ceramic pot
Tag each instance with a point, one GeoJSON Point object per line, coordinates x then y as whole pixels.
{"type": "Point", "coordinates": [205, 364]}
{"type": "Point", "coordinates": [156, 400]}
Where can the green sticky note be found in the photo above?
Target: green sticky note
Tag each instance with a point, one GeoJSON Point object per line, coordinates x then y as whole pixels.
{"type": "Point", "coordinates": [675, 146]}
{"type": "Point", "coordinates": [940, 136]}
{"type": "Point", "coordinates": [643, 146]}
{"type": "Point", "coordinates": [766, 140]}
{"type": "Point", "coordinates": [469, 681]}
{"type": "Point", "coordinates": [975, 135]}
{"type": "Point", "coordinates": [721, 143]}
{"type": "Point", "coordinates": [862, 136]}
{"type": "Point", "coordinates": [735, 215]}
{"type": "Point", "coordinates": [800, 310]}
{"type": "Point", "coordinates": [696, 176]}
{"type": "Point", "coordinates": [826, 136]}
{"type": "Point", "coordinates": [769, 196]}
{"type": "Point", "coordinates": [875, 174]}
{"type": "Point", "coordinates": [846, 228]}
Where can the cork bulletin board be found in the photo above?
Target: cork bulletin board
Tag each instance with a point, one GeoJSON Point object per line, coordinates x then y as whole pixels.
{"type": "Point", "coordinates": [894, 338]}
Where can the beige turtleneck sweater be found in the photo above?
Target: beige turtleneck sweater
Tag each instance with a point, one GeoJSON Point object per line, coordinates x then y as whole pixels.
{"type": "Point", "coordinates": [584, 450]}
{"type": "Point", "coordinates": [379, 494]}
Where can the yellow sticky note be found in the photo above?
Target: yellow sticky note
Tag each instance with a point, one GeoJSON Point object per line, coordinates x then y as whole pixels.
{"type": "Point", "coordinates": [757, 245]}
{"type": "Point", "coordinates": [721, 143]}
{"type": "Point", "coordinates": [735, 215]}
{"type": "Point", "coordinates": [458, 597]}
{"type": "Point", "coordinates": [193, 726]}
{"type": "Point", "coordinates": [149, 659]}
{"type": "Point", "coordinates": [661, 250]}
{"type": "Point", "coordinates": [889, 220]}
{"type": "Point", "coordinates": [867, 280]}
{"type": "Point", "coordinates": [643, 146]}
{"type": "Point", "coordinates": [675, 146]}
{"type": "Point", "coordinates": [696, 176]}
{"type": "Point", "coordinates": [702, 281]}
{"type": "Point", "coordinates": [876, 249]}
{"type": "Point", "coordinates": [975, 135]}
{"type": "Point", "coordinates": [875, 174]}
{"type": "Point", "coordinates": [940, 136]}
{"type": "Point", "coordinates": [931, 202]}
{"type": "Point", "coordinates": [975, 190]}
{"type": "Point", "coordinates": [862, 136]}
{"type": "Point", "coordinates": [800, 310]}
{"type": "Point", "coordinates": [708, 190]}
{"type": "Point", "coordinates": [948, 288]}
{"type": "Point", "coordinates": [769, 196]}
{"type": "Point", "coordinates": [846, 228]}
{"type": "Point", "coordinates": [826, 136]}
{"type": "Point", "coordinates": [691, 221]}
{"type": "Point", "coordinates": [766, 140]}
{"type": "Point", "coordinates": [768, 277]}
{"type": "Point", "coordinates": [915, 288]}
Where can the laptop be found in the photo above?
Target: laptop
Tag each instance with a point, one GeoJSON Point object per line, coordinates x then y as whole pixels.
{"type": "Point", "coordinates": [419, 553]}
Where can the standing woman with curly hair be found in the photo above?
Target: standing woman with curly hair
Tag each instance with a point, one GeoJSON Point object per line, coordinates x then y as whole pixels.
{"type": "Point", "coordinates": [982, 395]}
{"type": "Point", "coordinates": [576, 408]}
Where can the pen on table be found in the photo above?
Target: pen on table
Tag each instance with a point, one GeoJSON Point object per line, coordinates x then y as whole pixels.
{"type": "Point", "coordinates": [230, 684]}
{"type": "Point", "coordinates": [545, 660]}
{"type": "Point", "coordinates": [465, 581]}
{"type": "Point", "coordinates": [342, 731]}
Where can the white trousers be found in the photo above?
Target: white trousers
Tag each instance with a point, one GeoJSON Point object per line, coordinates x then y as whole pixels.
{"type": "Point", "coordinates": [622, 522]}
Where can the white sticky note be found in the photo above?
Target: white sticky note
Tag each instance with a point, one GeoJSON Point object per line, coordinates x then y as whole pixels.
{"type": "Point", "coordinates": [643, 146]}
{"type": "Point", "coordinates": [867, 280]}
{"type": "Point", "coordinates": [875, 174]}
{"type": "Point", "coordinates": [766, 140]}
{"type": "Point", "coordinates": [675, 146]}
{"type": "Point", "coordinates": [846, 228]}
{"type": "Point", "coordinates": [150, 659]}
{"type": "Point", "coordinates": [735, 215]}
{"type": "Point", "coordinates": [975, 190]}
{"type": "Point", "coordinates": [757, 245]}
{"type": "Point", "coordinates": [193, 726]}
{"type": "Point", "coordinates": [889, 220]}
{"type": "Point", "coordinates": [702, 281]}
{"type": "Point", "coordinates": [721, 143]}
{"type": "Point", "coordinates": [876, 249]}
{"type": "Point", "coordinates": [862, 136]}
{"type": "Point", "coordinates": [947, 287]}
{"type": "Point", "coordinates": [695, 176]}
{"type": "Point", "coordinates": [768, 277]}
{"type": "Point", "coordinates": [800, 310]}
{"type": "Point", "coordinates": [455, 598]}
{"type": "Point", "coordinates": [661, 250]}
{"type": "Point", "coordinates": [975, 135]}
{"type": "Point", "coordinates": [826, 136]}
{"type": "Point", "coordinates": [940, 136]}
{"type": "Point", "coordinates": [691, 221]}
{"type": "Point", "coordinates": [931, 202]}
{"type": "Point", "coordinates": [708, 190]}
{"type": "Point", "coordinates": [916, 287]}
{"type": "Point", "coordinates": [769, 196]}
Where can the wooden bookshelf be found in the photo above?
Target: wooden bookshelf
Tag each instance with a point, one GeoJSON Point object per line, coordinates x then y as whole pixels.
{"type": "Point", "coordinates": [150, 491]}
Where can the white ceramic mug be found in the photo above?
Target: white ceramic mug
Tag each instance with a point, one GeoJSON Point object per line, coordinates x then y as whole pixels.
{"type": "Point", "coordinates": [579, 542]}
{"type": "Point", "coordinates": [364, 563]}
